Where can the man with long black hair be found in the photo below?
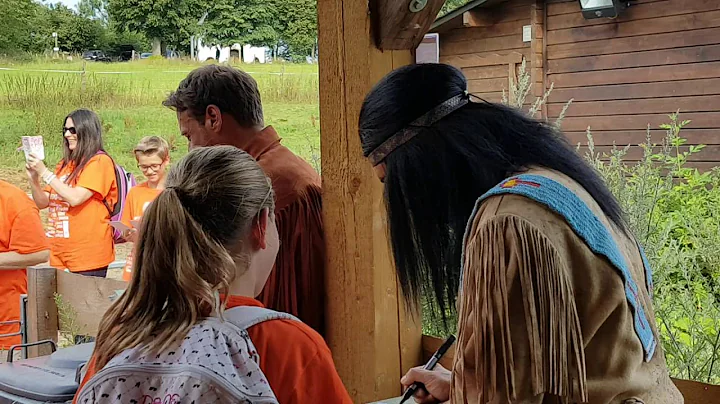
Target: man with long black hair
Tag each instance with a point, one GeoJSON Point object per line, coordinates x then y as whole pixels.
{"type": "Point", "coordinates": [494, 215]}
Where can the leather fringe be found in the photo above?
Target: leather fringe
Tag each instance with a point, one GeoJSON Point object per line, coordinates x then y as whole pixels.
{"type": "Point", "coordinates": [557, 359]}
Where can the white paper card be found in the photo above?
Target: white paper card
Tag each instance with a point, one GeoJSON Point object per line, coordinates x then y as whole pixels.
{"type": "Point", "coordinates": [119, 225]}
{"type": "Point", "coordinates": [34, 145]}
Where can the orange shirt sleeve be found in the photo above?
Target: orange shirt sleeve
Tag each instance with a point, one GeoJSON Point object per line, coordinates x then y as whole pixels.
{"type": "Point", "coordinates": [98, 176]}
{"type": "Point", "coordinates": [297, 363]}
{"type": "Point", "coordinates": [27, 235]}
{"type": "Point", "coordinates": [318, 379]}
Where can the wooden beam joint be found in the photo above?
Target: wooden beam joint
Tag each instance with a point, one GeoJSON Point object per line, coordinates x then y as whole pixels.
{"type": "Point", "coordinates": [401, 24]}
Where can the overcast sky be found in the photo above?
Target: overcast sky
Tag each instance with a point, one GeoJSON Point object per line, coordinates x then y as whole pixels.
{"type": "Point", "coordinates": [69, 3]}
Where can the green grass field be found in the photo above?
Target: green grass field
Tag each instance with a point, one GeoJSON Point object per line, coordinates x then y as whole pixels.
{"type": "Point", "coordinates": [35, 97]}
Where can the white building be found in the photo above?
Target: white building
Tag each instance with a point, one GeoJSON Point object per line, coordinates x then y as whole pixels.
{"type": "Point", "coordinates": [249, 53]}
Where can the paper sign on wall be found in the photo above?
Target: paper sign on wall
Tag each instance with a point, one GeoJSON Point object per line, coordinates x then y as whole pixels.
{"type": "Point", "coordinates": [429, 49]}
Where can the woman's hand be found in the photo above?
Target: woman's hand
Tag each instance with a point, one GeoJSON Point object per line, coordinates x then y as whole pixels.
{"type": "Point", "coordinates": [131, 235]}
{"type": "Point", "coordinates": [32, 175]}
{"type": "Point", "coordinates": [34, 166]}
{"type": "Point", "coordinates": [436, 381]}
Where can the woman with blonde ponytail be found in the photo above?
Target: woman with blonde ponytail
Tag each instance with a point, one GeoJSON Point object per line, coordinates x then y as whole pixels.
{"type": "Point", "coordinates": [206, 247]}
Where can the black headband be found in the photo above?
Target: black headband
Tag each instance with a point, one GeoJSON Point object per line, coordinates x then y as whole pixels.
{"type": "Point", "coordinates": [415, 127]}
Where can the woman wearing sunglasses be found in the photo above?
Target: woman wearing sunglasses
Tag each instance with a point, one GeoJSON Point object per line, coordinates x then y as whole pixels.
{"type": "Point", "coordinates": [494, 216]}
{"type": "Point", "coordinates": [77, 195]}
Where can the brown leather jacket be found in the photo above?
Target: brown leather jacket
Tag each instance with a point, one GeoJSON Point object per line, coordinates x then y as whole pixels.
{"type": "Point", "coordinates": [543, 319]}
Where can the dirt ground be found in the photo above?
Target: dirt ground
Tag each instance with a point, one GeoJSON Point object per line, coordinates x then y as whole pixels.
{"type": "Point", "coordinates": [121, 253]}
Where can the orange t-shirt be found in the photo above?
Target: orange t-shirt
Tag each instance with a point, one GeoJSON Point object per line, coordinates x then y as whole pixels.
{"type": "Point", "coordinates": [294, 358]}
{"type": "Point", "coordinates": [138, 199]}
{"type": "Point", "coordinates": [21, 231]}
{"type": "Point", "coordinates": [81, 238]}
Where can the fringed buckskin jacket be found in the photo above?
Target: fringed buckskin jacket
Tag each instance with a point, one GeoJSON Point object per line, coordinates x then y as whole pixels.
{"type": "Point", "coordinates": [555, 303]}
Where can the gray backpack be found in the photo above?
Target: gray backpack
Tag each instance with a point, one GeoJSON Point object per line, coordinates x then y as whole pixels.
{"type": "Point", "coordinates": [215, 363]}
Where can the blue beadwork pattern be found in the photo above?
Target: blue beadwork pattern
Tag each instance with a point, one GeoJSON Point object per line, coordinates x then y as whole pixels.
{"type": "Point", "coordinates": [588, 227]}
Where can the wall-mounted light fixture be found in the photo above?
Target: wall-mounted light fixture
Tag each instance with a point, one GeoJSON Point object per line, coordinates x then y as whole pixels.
{"type": "Point", "coordinates": [602, 8]}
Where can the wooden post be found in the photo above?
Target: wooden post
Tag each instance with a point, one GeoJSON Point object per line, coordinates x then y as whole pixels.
{"type": "Point", "coordinates": [42, 315]}
{"type": "Point", "coordinates": [368, 332]}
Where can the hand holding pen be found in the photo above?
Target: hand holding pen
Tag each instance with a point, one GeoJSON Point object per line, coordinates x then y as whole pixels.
{"type": "Point", "coordinates": [430, 383]}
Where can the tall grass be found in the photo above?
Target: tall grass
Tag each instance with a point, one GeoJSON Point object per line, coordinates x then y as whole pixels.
{"type": "Point", "coordinates": [36, 96]}
{"type": "Point", "coordinates": [29, 91]}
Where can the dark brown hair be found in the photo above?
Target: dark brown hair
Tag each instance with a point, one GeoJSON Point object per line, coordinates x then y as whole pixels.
{"type": "Point", "coordinates": [233, 91]}
{"type": "Point", "coordinates": [193, 240]}
{"type": "Point", "coordinates": [89, 141]}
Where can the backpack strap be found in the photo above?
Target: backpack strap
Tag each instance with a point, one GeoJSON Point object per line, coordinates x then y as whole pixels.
{"type": "Point", "coordinates": [244, 317]}
{"type": "Point", "coordinates": [593, 232]}
{"type": "Point", "coordinates": [104, 201]}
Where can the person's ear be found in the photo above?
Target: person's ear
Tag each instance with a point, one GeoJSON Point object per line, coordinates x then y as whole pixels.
{"type": "Point", "coordinates": [259, 229]}
{"type": "Point", "coordinates": [213, 118]}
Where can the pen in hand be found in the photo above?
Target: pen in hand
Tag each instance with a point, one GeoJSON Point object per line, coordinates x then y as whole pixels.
{"type": "Point", "coordinates": [429, 366]}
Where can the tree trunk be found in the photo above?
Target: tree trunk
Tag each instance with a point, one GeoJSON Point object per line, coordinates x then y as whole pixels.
{"type": "Point", "coordinates": [156, 47]}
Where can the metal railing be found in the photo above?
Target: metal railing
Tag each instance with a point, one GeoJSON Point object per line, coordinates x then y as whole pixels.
{"type": "Point", "coordinates": [22, 326]}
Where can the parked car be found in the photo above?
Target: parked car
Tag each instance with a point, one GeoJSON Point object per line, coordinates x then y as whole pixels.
{"type": "Point", "coordinates": [145, 55]}
{"type": "Point", "coordinates": [125, 52]}
{"type": "Point", "coordinates": [95, 56]}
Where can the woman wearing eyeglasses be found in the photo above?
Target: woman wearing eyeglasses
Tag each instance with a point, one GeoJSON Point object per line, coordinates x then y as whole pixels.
{"type": "Point", "coordinates": [153, 157]}
{"type": "Point", "coordinates": [77, 195]}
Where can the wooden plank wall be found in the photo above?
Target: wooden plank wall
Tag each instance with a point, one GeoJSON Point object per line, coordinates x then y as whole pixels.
{"type": "Point", "coordinates": [657, 57]}
{"type": "Point", "coordinates": [497, 33]}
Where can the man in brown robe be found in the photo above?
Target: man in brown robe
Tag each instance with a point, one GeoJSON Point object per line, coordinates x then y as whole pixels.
{"type": "Point", "coordinates": [219, 105]}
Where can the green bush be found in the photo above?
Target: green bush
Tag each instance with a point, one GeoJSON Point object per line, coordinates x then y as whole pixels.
{"type": "Point", "coordinates": [673, 210]}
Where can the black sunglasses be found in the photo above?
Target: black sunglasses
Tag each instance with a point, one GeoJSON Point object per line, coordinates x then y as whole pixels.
{"type": "Point", "coordinates": [72, 130]}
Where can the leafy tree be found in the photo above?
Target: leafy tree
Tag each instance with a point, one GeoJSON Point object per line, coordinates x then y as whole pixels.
{"type": "Point", "coordinates": [94, 10]}
{"type": "Point", "coordinates": [23, 27]}
{"type": "Point", "coordinates": [171, 21]}
{"type": "Point", "coordinates": [75, 33]}
{"type": "Point", "coordinates": [252, 22]}
{"type": "Point", "coordinates": [297, 23]}
{"type": "Point", "coordinates": [118, 41]}
{"type": "Point", "coordinates": [451, 5]}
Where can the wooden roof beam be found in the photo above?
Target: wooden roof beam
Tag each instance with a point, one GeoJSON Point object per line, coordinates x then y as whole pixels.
{"type": "Point", "coordinates": [401, 24]}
